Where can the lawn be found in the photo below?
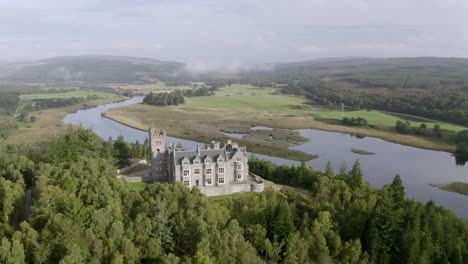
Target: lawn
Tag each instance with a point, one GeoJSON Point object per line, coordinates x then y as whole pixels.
{"type": "Point", "coordinates": [138, 186]}
{"type": "Point", "coordinates": [244, 96]}
{"type": "Point", "coordinates": [100, 95]}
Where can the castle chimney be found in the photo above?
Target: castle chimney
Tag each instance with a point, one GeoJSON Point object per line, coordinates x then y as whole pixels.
{"type": "Point", "coordinates": [229, 141]}
{"type": "Point", "coordinates": [198, 149]}
{"type": "Point", "coordinates": [216, 145]}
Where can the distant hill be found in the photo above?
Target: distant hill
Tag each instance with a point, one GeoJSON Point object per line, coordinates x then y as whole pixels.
{"type": "Point", "coordinates": [113, 69]}
{"type": "Point", "coordinates": [395, 73]}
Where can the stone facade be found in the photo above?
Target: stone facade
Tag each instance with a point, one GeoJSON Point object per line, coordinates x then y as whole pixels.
{"type": "Point", "coordinates": [217, 169]}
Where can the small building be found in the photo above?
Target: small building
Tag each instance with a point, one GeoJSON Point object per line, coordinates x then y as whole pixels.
{"type": "Point", "coordinates": [218, 169]}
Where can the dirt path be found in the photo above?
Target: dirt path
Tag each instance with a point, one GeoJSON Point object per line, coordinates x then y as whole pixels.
{"type": "Point", "coordinates": [19, 105]}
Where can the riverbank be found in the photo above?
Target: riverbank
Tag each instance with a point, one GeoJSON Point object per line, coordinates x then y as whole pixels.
{"type": "Point", "coordinates": [457, 187]}
{"type": "Point", "coordinates": [275, 144]}
{"type": "Point", "coordinates": [49, 121]}
{"type": "Point", "coordinates": [185, 122]}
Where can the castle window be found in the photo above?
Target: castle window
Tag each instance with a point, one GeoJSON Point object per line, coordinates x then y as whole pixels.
{"type": "Point", "coordinates": [220, 160]}
{"type": "Point", "coordinates": [239, 166]}
{"type": "Point", "coordinates": [208, 182]}
{"type": "Point", "coordinates": [196, 162]}
{"type": "Point", "coordinates": [186, 173]}
{"type": "Point", "coordinates": [221, 170]}
{"type": "Point", "coordinates": [196, 171]}
{"type": "Point", "coordinates": [220, 180]}
{"type": "Point", "coordinates": [208, 171]}
{"type": "Point", "coordinates": [185, 163]}
{"type": "Point", "coordinates": [186, 183]}
{"type": "Point", "coordinates": [207, 161]}
{"type": "Point", "coordinates": [239, 175]}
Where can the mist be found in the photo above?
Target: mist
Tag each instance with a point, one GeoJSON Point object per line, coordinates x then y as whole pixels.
{"type": "Point", "coordinates": [233, 35]}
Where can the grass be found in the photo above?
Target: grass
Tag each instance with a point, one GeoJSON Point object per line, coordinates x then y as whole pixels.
{"type": "Point", "coordinates": [246, 96]}
{"type": "Point", "coordinates": [138, 186]}
{"type": "Point", "coordinates": [362, 152]}
{"type": "Point", "coordinates": [150, 87]}
{"type": "Point", "coordinates": [243, 96]}
{"type": "Point", "coordinates": [80, 94]}
{"type": "Point", "coordinates": [49, 122]}
{"type": "Point", "coordinates": [200, 118]}
{"type": "Point", "coordinates": [380, 119]}
{"type": "Point", "coordinates": [458, 187]}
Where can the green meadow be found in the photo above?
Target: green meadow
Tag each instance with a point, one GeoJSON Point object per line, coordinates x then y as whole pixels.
{"type": "Point", "coordinates": [246, 96]}
{"type": "Point", "coordinates": [138, 186]}
{"type": "Point", "coordinates": [100, 95]}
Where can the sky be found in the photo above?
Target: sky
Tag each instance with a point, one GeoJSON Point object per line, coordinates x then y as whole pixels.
{"type": "Point", "coordinates": [210, 33]}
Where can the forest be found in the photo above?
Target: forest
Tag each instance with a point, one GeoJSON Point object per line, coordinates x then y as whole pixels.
{"type": "Point", "coordinates": [163, 99]}
{"type": "Point", "coordinates": [445, 105]}
{"type": "Point", "coordinates": [61, 202]}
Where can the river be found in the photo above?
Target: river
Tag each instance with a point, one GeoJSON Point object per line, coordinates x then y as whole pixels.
{"type": "Point", "coordinates": [417, 167]}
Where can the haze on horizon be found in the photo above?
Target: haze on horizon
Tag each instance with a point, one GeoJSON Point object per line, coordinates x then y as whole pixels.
{"type": "Point", "coordinates": [207, 33]}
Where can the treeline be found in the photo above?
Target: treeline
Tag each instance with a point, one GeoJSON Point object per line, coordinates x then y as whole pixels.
{"type": "Point", "coordinates": [38, 104]}
{"type": "Point", "coordinates": [450, 105]}
{"type": "Point", "coordinates": [204, 91]}
{"type": "Point", "coordinates": [387, 227]}
{"type": "Point", "coordinates": [163, 99]}
{"type": "Point", "coordinates": [359, 121]}
{"type": "Point", "coordinates": [8, 102]}
{"type": "Point", "coordinates": [405, 127]}
{"type": "Point", "coordinates": [82, 214]}
{"type": "Point", "coordinates": [462, 145]}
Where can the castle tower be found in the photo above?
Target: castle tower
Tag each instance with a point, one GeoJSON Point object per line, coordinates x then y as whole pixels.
{"type": "Point", "coordinates": [157, 141]}
{"type": "Point", "coordinates": [159, 155]}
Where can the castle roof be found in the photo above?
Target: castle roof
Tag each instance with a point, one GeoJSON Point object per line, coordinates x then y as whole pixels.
{"type": "Point", "coordinates": [212, 153]}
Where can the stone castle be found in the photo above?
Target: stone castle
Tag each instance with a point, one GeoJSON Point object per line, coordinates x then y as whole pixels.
{"type": "Point", "coordinates": [218, 169]}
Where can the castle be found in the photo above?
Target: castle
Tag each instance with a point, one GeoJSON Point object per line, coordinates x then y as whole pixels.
{"type": "Point", "coordinates": [218, 169]}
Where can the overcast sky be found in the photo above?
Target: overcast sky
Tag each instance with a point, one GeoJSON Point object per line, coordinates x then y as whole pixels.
{"type": "Point", "coordinates": [211, 32]}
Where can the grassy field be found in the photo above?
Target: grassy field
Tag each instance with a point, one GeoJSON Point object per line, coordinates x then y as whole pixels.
{"type": "Point", "coordinates": [100, 95]}
{"type": "Point", "coordinates": [201, 118]}
{"type": "Point", "coordinates": [458, 187]}
{"type": "Point", "coordinates": [245, 96]}
{"type": "Point", "coordinates": [380, 119]}
{"type": "Point", "coordinates": [146, 88]}
{"type": "Point", "coordinates": [139, 186]}
{"type": "Point", "coordinates": [49, 122]}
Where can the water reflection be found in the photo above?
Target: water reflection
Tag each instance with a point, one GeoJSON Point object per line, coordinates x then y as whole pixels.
{"type": "Point", "coordinates": [417, 167]}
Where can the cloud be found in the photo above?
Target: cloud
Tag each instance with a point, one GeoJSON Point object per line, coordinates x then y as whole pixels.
{"type": "Point", "coordinates": [210, 33]}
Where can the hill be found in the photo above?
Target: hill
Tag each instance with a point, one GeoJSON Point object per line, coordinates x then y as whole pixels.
{"type": "Point", "coordinates": [393, 73]}
{"type": "Point", "coordinates": [113, 69]}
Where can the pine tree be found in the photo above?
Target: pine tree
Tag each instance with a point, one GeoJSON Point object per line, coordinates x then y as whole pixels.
{"type": "Point", "coordinates": [329, 170]}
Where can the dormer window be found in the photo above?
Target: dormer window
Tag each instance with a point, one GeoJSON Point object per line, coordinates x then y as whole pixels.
{"type": "Point", "coordinates": [239, 166]}
{"type": "Point", "coordinates": [196, 162]}
{"type": "Point", "coordinates": [185, 163]}
{"type": "Point", "coordinates": [207, 161]}
{"type": "Point", "coordinates": [220, 160]}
